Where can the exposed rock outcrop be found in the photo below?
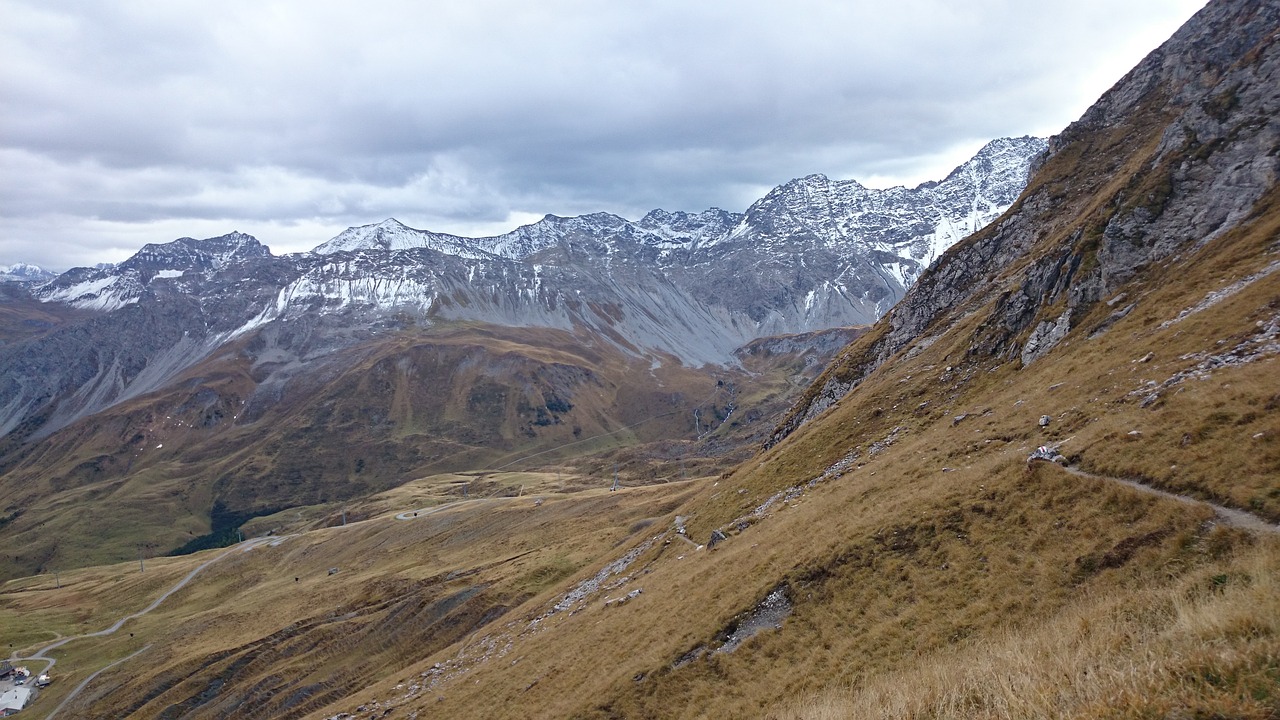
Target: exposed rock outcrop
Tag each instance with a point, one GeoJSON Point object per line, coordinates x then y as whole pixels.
{"type": "Point", "coordinates": [1174, 155]}
{"type": "Point", "coordinates": [813, 254]}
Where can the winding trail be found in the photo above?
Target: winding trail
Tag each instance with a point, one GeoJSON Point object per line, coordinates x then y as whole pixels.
{"type": "Point", "coordinates": [84, 683]}
{"type": "Point", "coordinates": [412, 514]}
{"type": "Point", "coordinates": [41, 655]}
{"type": "Point", "coordinates": [1228, 516]}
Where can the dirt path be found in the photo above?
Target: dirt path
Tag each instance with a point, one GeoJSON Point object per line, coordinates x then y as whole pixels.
{"type": "Point", "coordinates": [41, 655]}
{"type": "Point", "coordinates": [84, 683]}
{"type": "Point", "coordinates": [423, 512]}
{"type": "Point", "coordinates": [1228, 516]}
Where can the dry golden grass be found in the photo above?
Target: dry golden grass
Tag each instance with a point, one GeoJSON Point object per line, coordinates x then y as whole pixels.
{"type": "Point", "coordinates": [404, 590]}
{"type": "Point", "coordinates": [460, 399]}
{"type": "Point", "coordinates": [1205, 645]}
{"type": "Point", "coordinates": [882, 574]}
{"type": "Point", "coordinates": [938, 576]}
{"type": "Point", "coordinates": [38, 609]}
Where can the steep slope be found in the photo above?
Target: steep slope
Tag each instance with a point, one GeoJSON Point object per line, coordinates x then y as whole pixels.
{"type": "Point", "coordinates": [148, 320]}
{"type": "Point", "coordinates": [896, 522]}
{"type": "Point", "coordinates": [895, 553]}
{"type": "Point", "coordinates": [1162, 165]}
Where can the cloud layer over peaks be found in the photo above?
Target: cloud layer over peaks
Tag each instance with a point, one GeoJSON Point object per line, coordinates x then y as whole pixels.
{"type": "Point", "coordinates": [123, 123]}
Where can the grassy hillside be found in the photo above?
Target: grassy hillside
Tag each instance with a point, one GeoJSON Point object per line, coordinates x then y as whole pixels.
{"type": "Point", "coordinates": [893, 552]}
{"type": "Point", "coordinates": [932, 573]}
{"type": "Point", "coordinates": [183, 467]}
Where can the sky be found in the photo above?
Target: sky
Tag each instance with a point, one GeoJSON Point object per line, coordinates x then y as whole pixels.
{"type": "Point", "coordinates": [124, 122]}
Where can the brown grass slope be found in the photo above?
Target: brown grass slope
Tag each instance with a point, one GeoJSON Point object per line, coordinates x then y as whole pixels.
{"type": "Point", "coordinates": [929, 569]}
{"type": "Point", "coordinates": [269, 632]}
{"type": "Point", "coordinates": [150, 471]}
{"type": "Point", "coordinates": [1149, 236]}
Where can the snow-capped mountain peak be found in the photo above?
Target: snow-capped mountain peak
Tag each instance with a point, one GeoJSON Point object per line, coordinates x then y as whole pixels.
{"type": "Point", "coordinates": [25, 273]}
{"type": "Point", "coordinates": [108, 287]}
{"type": "Point", "coordinates": [391, 235]}
{"type": "Point", "coordinates": [188, 254]}
{"type": "Point", "coordinates": [914, 225]}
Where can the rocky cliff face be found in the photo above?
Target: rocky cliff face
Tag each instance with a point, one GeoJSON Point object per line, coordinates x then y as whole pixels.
{"type": "Point", "coordinates": [1177, 153]}
{"type": "Point", "coordinates": [811, 255]}
{"type": "Point", "coordinates": [154, 316]}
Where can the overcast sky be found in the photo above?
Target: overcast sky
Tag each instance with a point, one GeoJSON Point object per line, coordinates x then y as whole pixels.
{"type": "Point", "coordinates": [125, 122]}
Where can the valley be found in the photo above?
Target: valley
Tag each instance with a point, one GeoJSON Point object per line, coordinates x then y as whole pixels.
{"type": "Point", "coordinates": [553, 474]}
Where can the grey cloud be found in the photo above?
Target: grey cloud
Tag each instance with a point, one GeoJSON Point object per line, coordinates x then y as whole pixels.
{"type": "Point", "coordinates": [324, 112]}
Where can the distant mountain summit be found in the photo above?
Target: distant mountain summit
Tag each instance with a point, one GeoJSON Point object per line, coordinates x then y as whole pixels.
{"type": "Point", "coordinates": [902, 230]}
{"type": "Point", "coordinates": [110, 287]}
{"type": "Point", "coordinates": [390, 235]}
{"type": "Point", "coordinates": [694, 287]}
{"type": "Point", "coordinates": [25, 273]}
{"type": "Point", "coordinates": [257, 381]}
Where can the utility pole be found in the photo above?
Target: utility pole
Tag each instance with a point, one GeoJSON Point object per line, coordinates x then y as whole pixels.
{"type": "Point", "coordinates": [56, 579]}
{"type": "Point", "coordinates": [615, 477]}
{"type": "Point", "coordinates": [141, 566]}
{"type": "Point", "coordinates": [239, 536]}
{"type": "Point", "coordinates": [344, 517]}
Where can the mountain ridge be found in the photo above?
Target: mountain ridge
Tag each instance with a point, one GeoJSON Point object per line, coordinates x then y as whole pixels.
{"type": "Point", "coordinates": [268, 359]}
{"type": "Point", "coordinates": [1213, 157]}
{"type": "Point", "coordinates": [999, 167]}
{"type": "Point", "coordinates": [692, 286]}
{"type": "Point", "coordinates": [912, 548]}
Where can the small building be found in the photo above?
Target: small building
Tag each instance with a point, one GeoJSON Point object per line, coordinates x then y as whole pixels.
{"type": "Point", "coordinates": [15, 699]}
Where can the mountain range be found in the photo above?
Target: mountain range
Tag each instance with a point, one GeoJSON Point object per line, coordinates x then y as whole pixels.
{"type": "Point", "coordinates": [1044, 484]}
{"type": "Point", "coordinates": [565, 329]}
{"type": "Point", "coordinates": [820, 253]}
